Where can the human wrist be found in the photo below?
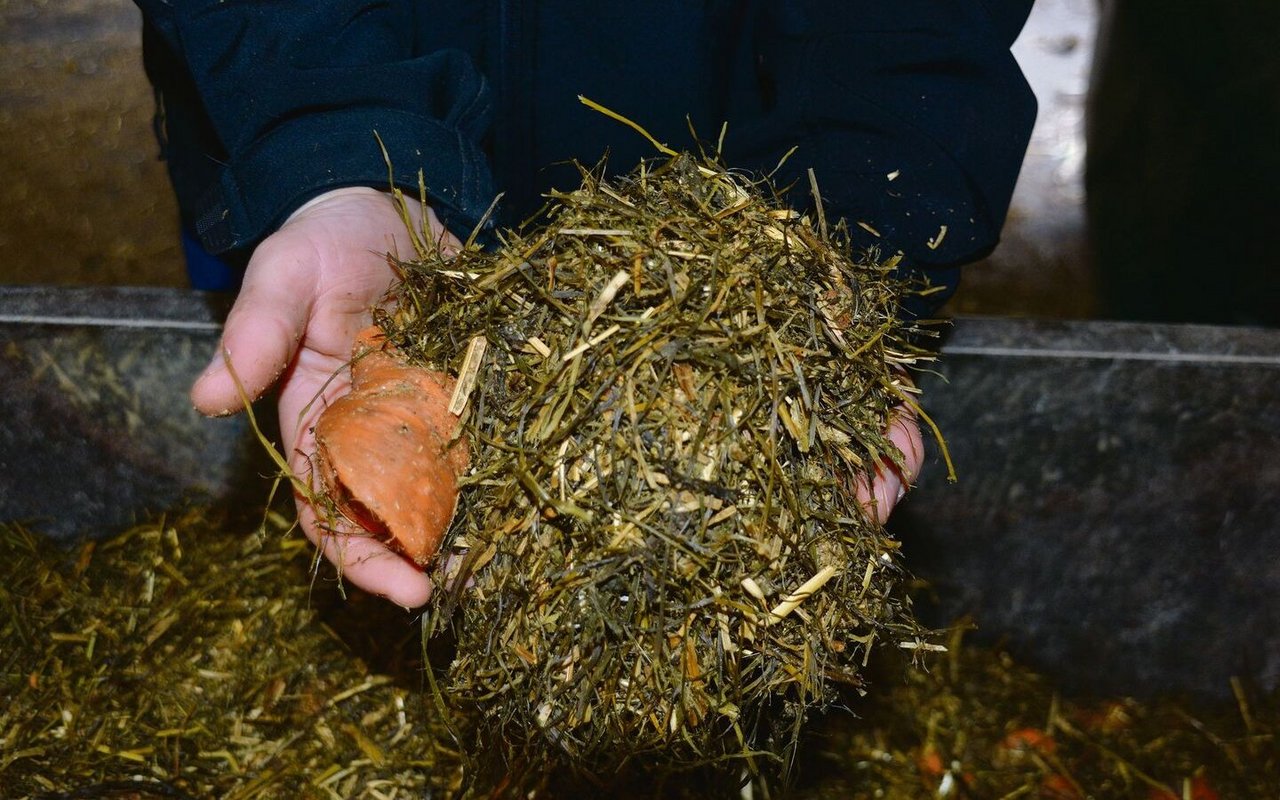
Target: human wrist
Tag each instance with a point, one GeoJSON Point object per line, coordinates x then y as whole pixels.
{"type": "Point", "coordinates": [357, 194]}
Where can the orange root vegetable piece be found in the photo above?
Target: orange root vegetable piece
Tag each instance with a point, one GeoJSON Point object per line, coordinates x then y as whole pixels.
{"type": "Point", "coordinates": [1198, 786]}
{"type": "Point", "coordinates": [388, 453]}
{"type": "Point", "coordinates": [1024, 740]}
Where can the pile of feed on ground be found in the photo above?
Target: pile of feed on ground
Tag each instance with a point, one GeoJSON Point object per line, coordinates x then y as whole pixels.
{"type": "Point", "coordinates": [188, 659]}
{"type": "Point", "coordinates": [670, 387]}
{"type": "Point", "coordinates": [184, 660]}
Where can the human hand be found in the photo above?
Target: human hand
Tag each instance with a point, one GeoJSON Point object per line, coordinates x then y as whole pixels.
{"type": "Point", "coordinates": [308, 290]}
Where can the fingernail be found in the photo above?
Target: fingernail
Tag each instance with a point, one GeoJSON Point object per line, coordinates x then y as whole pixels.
{"type": "Point", "coordinates": [902, 492]}
{"type": "Point", "coordinates": [213, 365]}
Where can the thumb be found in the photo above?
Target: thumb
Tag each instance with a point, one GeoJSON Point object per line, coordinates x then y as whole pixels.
{"type": "Point", "coordinates": [261, 335]}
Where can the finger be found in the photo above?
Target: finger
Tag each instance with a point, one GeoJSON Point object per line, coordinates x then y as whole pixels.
{"type": "Point", "coordinates": [904, 433]}
{"type": "Point", "coordinates": [881, 492]}
{"type": "Point", "coordinates": [262, 331]}
{"type": "Point", "coordinates": [368, 563]}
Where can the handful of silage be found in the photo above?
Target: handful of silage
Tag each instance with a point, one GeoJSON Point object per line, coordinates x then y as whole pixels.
{"type": "Point", "coordinates": [671, 387]}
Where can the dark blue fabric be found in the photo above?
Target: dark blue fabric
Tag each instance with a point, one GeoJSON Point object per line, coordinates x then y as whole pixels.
{"type": "Point", "coordinates": [207, 271]}
{"type": "Point", "coordinates": [291, 95]}
{"type": "Point", "coordinates": [912, 113]}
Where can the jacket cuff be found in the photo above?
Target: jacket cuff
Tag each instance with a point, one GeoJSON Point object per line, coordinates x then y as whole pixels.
{"type": "Point", "coordinates": [313, 154]}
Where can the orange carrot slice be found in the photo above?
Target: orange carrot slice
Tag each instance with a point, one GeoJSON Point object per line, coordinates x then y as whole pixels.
{"type": "Point", "coordinates": [389, 453]}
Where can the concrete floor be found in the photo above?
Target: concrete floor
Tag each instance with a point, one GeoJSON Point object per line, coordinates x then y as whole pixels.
{"type": "Point", "coordinates": [84, 199]}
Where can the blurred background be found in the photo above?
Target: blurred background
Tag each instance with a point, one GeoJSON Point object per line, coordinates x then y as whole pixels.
{"type": "Point", "coordinates": [1149, 191]}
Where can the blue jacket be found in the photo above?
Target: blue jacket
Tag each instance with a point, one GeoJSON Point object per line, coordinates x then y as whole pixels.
{"type": "Point", "coordinates": [913, 113]}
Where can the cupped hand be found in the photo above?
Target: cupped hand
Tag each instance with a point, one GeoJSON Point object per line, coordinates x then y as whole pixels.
{"type": "Point", "coordinates": [308, 290]}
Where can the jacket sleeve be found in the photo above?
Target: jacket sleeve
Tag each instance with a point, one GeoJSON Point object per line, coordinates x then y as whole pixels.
{"type": "Point", "coordinates": [295, 92]}
{"type": "Point", "coordinates": [913, 114]}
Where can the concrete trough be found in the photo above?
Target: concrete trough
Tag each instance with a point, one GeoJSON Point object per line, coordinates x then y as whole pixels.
{"type": "Point", "coordinates": [1115, 521]}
